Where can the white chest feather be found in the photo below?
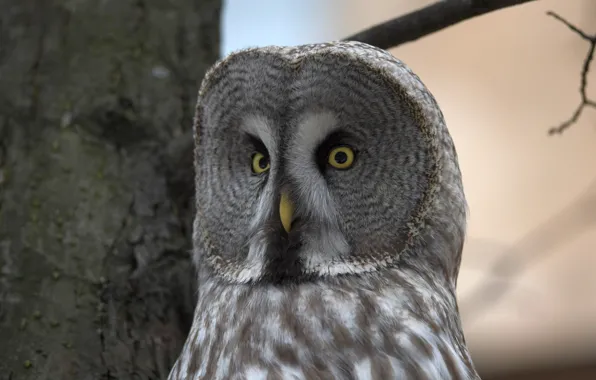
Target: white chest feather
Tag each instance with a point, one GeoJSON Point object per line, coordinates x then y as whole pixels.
{"type": "Point", "coordinates": [313, 332]}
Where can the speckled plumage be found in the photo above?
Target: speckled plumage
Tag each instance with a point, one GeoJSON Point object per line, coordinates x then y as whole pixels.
{"type": "Point", "coordinates": [363, 286]}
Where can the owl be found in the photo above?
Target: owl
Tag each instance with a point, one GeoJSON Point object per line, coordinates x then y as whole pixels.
{"type": "Point", "coordinates": [330, 220]}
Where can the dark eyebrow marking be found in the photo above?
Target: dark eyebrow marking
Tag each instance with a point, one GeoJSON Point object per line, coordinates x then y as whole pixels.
{"type": "Point", "coordinates": [334, 139]}
{"type": "Point", "coordinates": [256, 143]}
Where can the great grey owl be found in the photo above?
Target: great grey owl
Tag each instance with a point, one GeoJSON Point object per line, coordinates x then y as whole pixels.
{"type": "Point", "coordinates": [330, 220]}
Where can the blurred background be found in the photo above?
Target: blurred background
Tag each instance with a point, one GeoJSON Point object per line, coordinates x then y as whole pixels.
{"type": "Point", "coordinates": [527, 286]}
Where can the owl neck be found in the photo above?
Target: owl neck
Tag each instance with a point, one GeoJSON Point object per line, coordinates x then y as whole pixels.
{"type": "Point", "coordinates": [398, 321]}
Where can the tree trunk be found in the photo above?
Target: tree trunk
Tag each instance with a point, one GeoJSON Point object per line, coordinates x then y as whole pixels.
{"type": "Point", "coordinates": [96, 280]}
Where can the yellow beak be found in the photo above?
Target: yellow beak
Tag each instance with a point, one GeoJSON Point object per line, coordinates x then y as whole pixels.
{"type": "Point", "coordinates": [286, 210]}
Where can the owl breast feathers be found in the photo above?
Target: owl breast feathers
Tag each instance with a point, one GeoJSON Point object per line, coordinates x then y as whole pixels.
{"type": "Point", "coordinates": [330, 220]}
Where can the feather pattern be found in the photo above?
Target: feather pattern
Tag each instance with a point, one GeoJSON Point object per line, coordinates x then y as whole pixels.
{"type": "Point", "coordinates": [363, 286]}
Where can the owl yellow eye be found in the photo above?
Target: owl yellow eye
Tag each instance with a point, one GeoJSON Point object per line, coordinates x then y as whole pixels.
{"type": "Point", "coordinates": [260, 163]}
{"type": "Point", "coordinates": [341, 157]}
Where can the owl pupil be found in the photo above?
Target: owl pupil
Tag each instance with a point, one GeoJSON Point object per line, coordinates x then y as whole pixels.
{"type": "Point", "coordinates": [341, 157]}
{"type": "Point", "coordinates": [262, 162]}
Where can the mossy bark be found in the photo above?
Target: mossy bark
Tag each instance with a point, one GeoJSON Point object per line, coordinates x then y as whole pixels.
{"type": "Point", "coordinates": [95, 190]}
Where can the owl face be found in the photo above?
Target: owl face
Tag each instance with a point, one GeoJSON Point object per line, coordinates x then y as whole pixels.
{"type": "Point", "coordinates": [329, 213]}
{"type": "Point", "coordinates": [307, 166]}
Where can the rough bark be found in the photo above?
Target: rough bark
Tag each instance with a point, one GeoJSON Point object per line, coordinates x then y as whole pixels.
{"type": "Point", "coordinates": [95, 194]}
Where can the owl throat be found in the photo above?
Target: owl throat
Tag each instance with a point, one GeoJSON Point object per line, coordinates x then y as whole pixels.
{"type": "Point", "coordinates": [308, 252]}
{"type": "Point", "coordinates": [395, 324]}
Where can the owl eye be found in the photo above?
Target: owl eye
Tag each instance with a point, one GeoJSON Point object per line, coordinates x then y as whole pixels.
{"type": "Point", "coordinates": [341, 157]}
{"type": "Point", "coordinates": [260, 163]}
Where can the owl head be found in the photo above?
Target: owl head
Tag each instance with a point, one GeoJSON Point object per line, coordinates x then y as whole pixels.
{"type": "Point", "coordinates": [322, 160]}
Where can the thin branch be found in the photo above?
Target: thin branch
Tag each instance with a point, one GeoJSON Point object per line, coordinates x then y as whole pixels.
{"type": "Point", "coordinates": [571, 26]}
{"type": "Point", "coordinates": [585, 101]}
{"type": "Point", "coordinates": [427, 20]}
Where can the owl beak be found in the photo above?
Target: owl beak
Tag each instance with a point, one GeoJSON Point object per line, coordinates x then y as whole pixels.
{"type": "Point", "coordinates": [286, 211]}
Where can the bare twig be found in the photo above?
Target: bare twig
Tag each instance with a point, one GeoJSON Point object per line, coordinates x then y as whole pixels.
{"type": "Point", "coordinates": [427, 20]}
{"type": "Point", "coordinates": [585, 101]}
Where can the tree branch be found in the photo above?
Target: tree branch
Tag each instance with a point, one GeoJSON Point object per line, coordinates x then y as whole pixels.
{"type": "Point", "coordinates": [585, 101]}
{"type": "Point", "coordinates": [427, 20]}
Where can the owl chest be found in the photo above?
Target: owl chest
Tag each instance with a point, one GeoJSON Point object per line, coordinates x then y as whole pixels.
{"type": "Point", "coordinates": [313, 336]}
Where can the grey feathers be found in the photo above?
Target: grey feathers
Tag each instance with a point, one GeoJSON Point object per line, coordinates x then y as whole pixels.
{"type": "Point", "coordinates": [362, 286]}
